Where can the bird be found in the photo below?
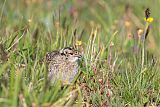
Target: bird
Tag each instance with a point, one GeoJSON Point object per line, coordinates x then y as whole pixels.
{"type": "Point", "coordinates": [63, 65]}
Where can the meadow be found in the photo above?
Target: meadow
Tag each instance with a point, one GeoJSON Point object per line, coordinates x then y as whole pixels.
{"type": "Point", "coordinates": [119, 40]}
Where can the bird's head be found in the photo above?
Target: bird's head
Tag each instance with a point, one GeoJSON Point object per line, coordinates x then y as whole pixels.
{"type": "Point", "coordinates": [71, 54]}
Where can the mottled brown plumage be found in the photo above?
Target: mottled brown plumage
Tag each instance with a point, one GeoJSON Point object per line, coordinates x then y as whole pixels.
{"type": "Point", "coordinates": [62, 65]}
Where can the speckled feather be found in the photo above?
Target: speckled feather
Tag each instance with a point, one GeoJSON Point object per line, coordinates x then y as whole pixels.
{"type": "Point", "coordinates": [60, 65]}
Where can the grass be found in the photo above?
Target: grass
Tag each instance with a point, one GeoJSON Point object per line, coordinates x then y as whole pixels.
{"type": "Point", "coordinates": [118, 69]}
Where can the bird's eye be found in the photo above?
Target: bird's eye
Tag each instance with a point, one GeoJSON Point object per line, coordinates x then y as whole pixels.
{"type": "Point", "coordinates": [76, 52]}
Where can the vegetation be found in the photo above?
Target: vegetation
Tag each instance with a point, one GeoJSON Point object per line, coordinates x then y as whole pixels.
{"type": "Point", "coordinates": [120, 65]}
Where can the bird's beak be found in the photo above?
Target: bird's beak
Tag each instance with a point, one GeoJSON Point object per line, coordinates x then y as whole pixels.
{"type": "Point", "coordinates": [79, 56]}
